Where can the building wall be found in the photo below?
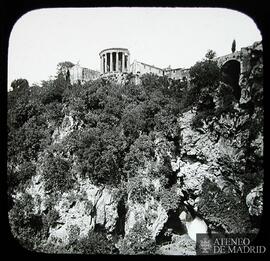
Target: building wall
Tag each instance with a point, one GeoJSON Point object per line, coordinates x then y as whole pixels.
{"type": "Point", "coordinates": [143, 68]}
{"type": "Point", "coordinates": [78, 73]}
{"type": "Point", "coordinates": [177, 74]}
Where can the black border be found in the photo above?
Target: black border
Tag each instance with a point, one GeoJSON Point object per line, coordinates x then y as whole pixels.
{"type": "Point", "coordinates": [11, 11]}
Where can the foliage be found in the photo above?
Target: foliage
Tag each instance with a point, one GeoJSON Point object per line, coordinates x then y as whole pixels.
{"type": "Point", "coordinates": [200, 118]}
{"type": "Point", "coordinates": [100, 153]}
{"type": "Point", "coordinates": [140, 152]}
{"type": "Point", "coordinates": [138, 241]}
{"type": "Point", "coordinates": [205, 74]}
{"type": "Point", "coordinates": [210, 55]}
{"type": "Point", "coordinates": [17, 177]}
{"type": "Point", "coordinates": [26, 226]}
{"type": "Point", "coordinates": [169, 198]}
{"type": "Point", "coordinates": [56, 174]}
{"type": "Point", "coordinates": [94, 243]}
{"type": "Point", "coordinates": [233, 46]}
{"type": "Point", "coordinates": [74, 232]}
{"type": "Point", "coordinates": [51, 217]}
{"type": "Point", "coordinates": [63, 67]}
{"type": "Point", "coordinates": [19, 84]}
{"type": "Point", "coordinates": [204, 78]}
{"type": "Point", "coordinates": [139, 192]}
{"type": "Point", "coordinates": [226, 99]}
{"type": "Point", "coordinates": [123, 136]}
{"type": "Point", "coordinates": [249, 172]}
{"type": "Point", "coordinates": [223, 209]}
{"type": "Point", "coordinates": [52, 91]}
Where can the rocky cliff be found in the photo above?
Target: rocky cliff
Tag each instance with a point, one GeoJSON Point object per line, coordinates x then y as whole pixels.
{"type": "Point", "coordinates": [213, 169]}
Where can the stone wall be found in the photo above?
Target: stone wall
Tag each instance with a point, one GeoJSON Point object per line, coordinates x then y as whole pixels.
{"type": "Point", "coordinates": [81, 74]}
{"type": "Point", "coordinates": [143, 68]}
{"type": "Point", "coordinates": [177, 74]}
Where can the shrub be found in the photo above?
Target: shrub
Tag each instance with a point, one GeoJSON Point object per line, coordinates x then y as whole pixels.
{"type": "Point", "coordinates": [226, 99]}
{"type": "Point", "coordinates": [100, 153]}
{"type": "Point", "coordinates": [94, 243]}
{"type": "Point", "coordinates": [26, 226]}
{"type": "Point", "coordinates": [138, 241]}
{"type": "Point", "coordinates": [223, 209]}
{"type": "Point", "coordinates": [139, 192]}
{"type": "Point", "coordinates": [205, 76]}
{"type": "Point", "coordinates": [141, 152]}
{"type": "Point", "coordinates": [21, 176]}
{"type": "Point", "coordinates": [74, 232]}
{"type": "Point", "coordinates": [169, 199]}
{"type": "Point", "coordinates": [197, 121]}
{"type": "Point", "coordinates": [52, 217]}
{"type": "Point", "coordinates": [56, 174]}
{"type": "Point", "coordinates": [205, 73]}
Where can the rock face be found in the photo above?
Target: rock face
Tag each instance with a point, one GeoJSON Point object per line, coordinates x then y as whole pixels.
{"type": "Point", "coordinates": [216, 159]}
{"type": "Point", "coordinates": [153, 212]}
{"type": "Point", "coordinates": [96, 208]}
{"type": "Point", "coordinates": [81, 209]}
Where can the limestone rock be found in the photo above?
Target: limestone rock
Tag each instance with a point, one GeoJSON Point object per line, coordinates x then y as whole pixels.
{"type": "Point", "coordinates": [83, 207]}
{"type": "Point", "coordinates": [152, 212]}
{"type": "Point", "coordinates": [193, 175]}
{"type": "Point", "coordinates": [106, 210]}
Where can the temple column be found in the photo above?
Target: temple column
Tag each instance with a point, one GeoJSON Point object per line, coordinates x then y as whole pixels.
{"type": "Point", "coordinates": [111, 63]}
{"type": "Point", "coordinates": [123, 62]}
{"type": "Point", "coordinates": [101, 64]}
{"type": "Point", "coordinates": [117, 59]}
{"type": "Point", "coordinates": [105, 63]}
{"type": "Point", "coordinates": [128, 63]}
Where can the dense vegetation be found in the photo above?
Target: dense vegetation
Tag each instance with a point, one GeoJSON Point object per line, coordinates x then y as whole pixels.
{"type": "Point", "coordinates": [115, 129]}
{"type": "Point", "coordinates": [116, 126]}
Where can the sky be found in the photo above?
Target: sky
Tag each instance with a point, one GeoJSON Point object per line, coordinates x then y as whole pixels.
{"type": "Point", "coordinates": [178, 37]}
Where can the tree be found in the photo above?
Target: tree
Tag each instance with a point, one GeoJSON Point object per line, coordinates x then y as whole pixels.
{"type": "Point", "coordinates": [205, 73]}
{"type": "Point", "coordinates": [95, 243]}
{"type": "Point", "coordinates": [210, 55]}
{"type": "Point", "coordinates": [233, 46]}
{"type": "Point", "coordinates": [19, 84]}
{"type": "Point", "coordinates": [138, 241]}
{"type": "Point", "coordinates": [68, 76]}
{"type": "Point", "coordinates": [63, 67]}
{"type": "Point", "coordinates": [57, 174]}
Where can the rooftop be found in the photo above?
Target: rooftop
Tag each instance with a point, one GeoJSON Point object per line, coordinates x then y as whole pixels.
{"type": "Point", "coordinates": [114, 49]}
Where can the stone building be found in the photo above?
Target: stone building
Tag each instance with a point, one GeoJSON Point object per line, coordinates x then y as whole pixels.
{"type": "Point", "coordinates": [177, 74]}
{"type": "Point", "coordinates": [80, 74]}
{"type": "Point", "coordinates": [114, 60]}
{"type": "Point", "coordinates": [140, 68]}
{"type": "Point", "coordinates": [117, 60]}
{"type": "Point", "coordinates": [115, 65]}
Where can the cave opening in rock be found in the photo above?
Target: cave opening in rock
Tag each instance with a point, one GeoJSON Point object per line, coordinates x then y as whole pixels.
{"type": "Point", "coordinates": [172, 226]}
{"type": "Point", "coordinates": [230, 73]}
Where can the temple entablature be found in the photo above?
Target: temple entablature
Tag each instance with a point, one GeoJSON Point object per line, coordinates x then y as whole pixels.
{"type": "Point", "coordinates": [114, 60]}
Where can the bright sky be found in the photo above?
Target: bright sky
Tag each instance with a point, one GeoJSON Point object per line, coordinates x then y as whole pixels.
{"type": "Point", "coordinates": [178, 37]}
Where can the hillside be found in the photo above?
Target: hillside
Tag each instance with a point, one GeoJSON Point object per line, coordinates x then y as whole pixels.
{"type": "Point", "coordinates": [108, 168]}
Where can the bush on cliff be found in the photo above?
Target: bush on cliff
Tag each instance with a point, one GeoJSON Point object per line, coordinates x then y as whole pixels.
{"type": "Point", "coordinates": [26, 226]}
{"type": "Point", "coordinates": [56, 173]}
{"type": "Point", "coordinates": [138, 241]}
